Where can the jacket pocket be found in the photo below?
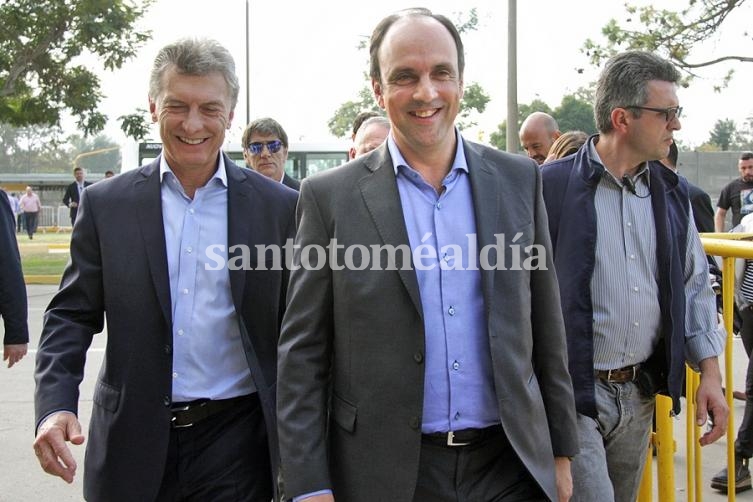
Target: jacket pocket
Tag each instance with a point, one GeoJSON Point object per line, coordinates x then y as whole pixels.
{"type": "Point", "coordinates": [106, 396]}
{"type": "Point", "coordinates": [344, 413]}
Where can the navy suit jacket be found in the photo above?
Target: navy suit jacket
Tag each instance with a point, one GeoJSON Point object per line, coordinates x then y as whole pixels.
{"type": "Point", "coordinates": [119, 267]}
{"type": "Point", "coordinates": [12, 288]}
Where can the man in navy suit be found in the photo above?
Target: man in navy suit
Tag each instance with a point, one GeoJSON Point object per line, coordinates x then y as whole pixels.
{"type": "Point", "coordinates": [12, 289]}
{"type": "Point", "coordinates": [184, 402]}
{"type": "Point", "coordinates": [72, 195]}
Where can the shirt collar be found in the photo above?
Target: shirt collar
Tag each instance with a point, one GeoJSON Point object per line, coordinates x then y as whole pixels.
{"type": "Point", "coordinates": [459, 162]}
{"type": "Point", "coordinates": [220, 173]}
{"type": "Point", "coordinates": [642, 172]}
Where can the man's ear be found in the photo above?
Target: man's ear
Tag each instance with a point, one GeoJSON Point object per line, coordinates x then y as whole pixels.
{"type": "Point", "coordinates": [377, 87]}
{"type": "Point", "coordinates": [153, 110]}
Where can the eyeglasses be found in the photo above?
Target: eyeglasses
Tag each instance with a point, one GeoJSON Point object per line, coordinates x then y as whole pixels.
{"type": "Point", "coordinates": [257, 147]}
{"type": "Point", "coordinates": [669, 113]}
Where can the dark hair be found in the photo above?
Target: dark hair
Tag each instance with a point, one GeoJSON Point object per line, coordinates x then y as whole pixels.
{"type": "Point", "coordinates": [77, 168]}
{"type": "Point", "coordinates": [267, 126]}
{"type": "Point", "coordinates": [191, 56]}
{"type": "Point", "coordinates": [377, 37]}
{"type": "Point", "coordinates": [623, 81]}
{"type": "Point", "coordinates": [361, 118]}
{"type": "Point", "coordinates": [746, 156]}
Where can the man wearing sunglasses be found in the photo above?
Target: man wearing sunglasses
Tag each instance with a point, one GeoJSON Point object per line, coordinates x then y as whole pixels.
{"type": "Point", "coordinates": [265, 149]}
{"type": "Point", "coordinates": [633, 278]}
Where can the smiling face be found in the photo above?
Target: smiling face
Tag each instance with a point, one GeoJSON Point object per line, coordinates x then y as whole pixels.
{"type": "Point", "coordinates": [193, 113]}
{"type": "Point", "coordinates": [420, 86]}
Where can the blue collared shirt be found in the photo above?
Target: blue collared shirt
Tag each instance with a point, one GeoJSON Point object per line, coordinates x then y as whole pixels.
{"type": "Point", "coordinates": [458, 381]}
{"type": "Point", "coordinates": [208, 357]}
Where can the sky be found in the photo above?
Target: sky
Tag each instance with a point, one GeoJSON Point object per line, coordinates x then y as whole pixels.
{"type": "Point", "coordinates": [305, 61]}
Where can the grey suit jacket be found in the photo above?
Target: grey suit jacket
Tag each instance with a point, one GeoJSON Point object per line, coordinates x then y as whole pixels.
{"type": "Point", "coordinates": [119, 266]}
{"type": "Point", "coordinates": [350, 364]}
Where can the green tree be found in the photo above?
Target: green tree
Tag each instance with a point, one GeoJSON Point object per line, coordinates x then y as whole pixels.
{"type": "Point", "coordinates": [41, 73]}
{"type": "Point", "coordinates": [474, 100]}
{"type": "Point", "coordinates": [725, 135]}
{"type": "Point", "coordinates": [672, 34]}
{"type": "Point", "coordinates": [574, 113]}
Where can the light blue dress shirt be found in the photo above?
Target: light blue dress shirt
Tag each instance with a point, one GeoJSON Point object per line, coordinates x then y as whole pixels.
{"type": "Point", "coordinates": [209, 361]}
{"type": "Point", "coordinates": [458, 380]}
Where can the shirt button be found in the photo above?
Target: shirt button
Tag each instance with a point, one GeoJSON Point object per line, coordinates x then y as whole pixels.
{"type": "Point", "coordinates": [191, 211]}
{"type": "Point", "coordinates": [457, 416]}
{"type": "Point", "coordinates": [418, 357]}
{"type": "Point", "coordinates": [635, 288]}
{"type": "Point", "coordinates": [632, 257]}
{"type": "Point", "coordinates": [451, 311]}
{"type": "Point", "coordinates": [190, 249]}
{"type": "Point", "coordinates": [456, 365]}
{"type": "Point", "coordinates": [175, 375]}
{"type": "Point", "coordinates": [181, 332]}
{"type": "Point", "coordinates": [439, 205]}
{"type": "Point", "coordinates": [185, 291]}
{"type": "Point", "coordinates": [629, 224]}
{"type": "Point", "coordinates": [635, 324]}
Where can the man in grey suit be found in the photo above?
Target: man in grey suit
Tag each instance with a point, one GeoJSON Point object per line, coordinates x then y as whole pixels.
{"type": "Point", "coordinates": [184, 402]}
{"type": "Point", "coordinates": [422, 355]}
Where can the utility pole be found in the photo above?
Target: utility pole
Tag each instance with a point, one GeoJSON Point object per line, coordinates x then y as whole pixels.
{"type": "Point", "coordinates": [248, 71]}
{"type": "Point", "coordinates": [512, 76]}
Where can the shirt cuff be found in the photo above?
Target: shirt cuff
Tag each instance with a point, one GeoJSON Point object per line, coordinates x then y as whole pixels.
{"type": "Point", "coordinates": [305, 496]}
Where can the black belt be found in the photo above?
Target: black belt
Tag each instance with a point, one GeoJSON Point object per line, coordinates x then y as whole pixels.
{"type": "Point", "coordinates": [621, 375]}
{"type": "Point", "coordinates": [188, 414]}
{"type": "Point", "coordinates": [463, 437]}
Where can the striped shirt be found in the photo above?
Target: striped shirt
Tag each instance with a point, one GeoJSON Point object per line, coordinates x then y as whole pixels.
{"type": "Point", "coordinates": [625, 283]}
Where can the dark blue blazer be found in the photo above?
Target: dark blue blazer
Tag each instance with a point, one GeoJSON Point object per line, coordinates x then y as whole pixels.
{"type": "Point", "coordinates": [12, 288]}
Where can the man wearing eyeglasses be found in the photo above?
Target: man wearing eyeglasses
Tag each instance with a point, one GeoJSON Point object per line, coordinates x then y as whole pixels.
{"type": "Point", "coordinates": [633, 278]}
{"type": "Point", "coordinates": [265, 149]}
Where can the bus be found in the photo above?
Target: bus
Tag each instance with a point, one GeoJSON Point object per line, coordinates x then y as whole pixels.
{"type": "Point", "coordinates": [304, 158]}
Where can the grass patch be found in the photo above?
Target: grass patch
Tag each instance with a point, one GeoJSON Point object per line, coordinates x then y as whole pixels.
{"type": "Point", "coordinates": [36, 258]}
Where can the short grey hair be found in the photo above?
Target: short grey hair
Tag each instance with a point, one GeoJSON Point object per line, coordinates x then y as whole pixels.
{"type": "Point", "coordinates": [623, 81]}
{"type": "Point", "coordinates": [194, 56]}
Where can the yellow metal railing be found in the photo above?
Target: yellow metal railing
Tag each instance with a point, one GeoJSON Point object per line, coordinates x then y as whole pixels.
{"type": "Point", "coordinates": [729, 246]}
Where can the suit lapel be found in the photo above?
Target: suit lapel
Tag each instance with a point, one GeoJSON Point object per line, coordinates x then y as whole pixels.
{"type": "Point", "coordinates": [148, 201]}
{"type": "Point", "coordinates": [486, 207]}
{"type": "Point", "coordinates": [382, 199]}
{"type": "Point", "coordinates": [242, 217]}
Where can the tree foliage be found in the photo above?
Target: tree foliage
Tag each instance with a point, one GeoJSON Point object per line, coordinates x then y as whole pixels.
{"type": "Point", "coordinates": [474, 100]}
{"type": "Point", "coordinates": [726, 136]}
{"type": "Point", "coordinates": [42, 149]}
{"type": "Point", "coordinates": [672, 34]}
{"type": "Point", "coordinates": [575, 113]}
{"type": "Point", "coordinates": [42, 74]}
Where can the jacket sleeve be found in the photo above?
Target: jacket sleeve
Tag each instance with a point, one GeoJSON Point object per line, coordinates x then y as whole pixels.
{"type": "Point", "coordinates": [13, 302]}
{"type": "Point", "coordinates": [304, 360]}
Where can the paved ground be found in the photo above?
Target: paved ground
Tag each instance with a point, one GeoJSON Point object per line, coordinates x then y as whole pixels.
{"type": "Point", "coordinates": [22, 479]}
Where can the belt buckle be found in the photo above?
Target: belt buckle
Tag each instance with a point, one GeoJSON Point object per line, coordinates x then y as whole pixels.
{"type": "Point", "coordinates": [173, 418]}
{"type": "Point", "coordinates": [451, 440]}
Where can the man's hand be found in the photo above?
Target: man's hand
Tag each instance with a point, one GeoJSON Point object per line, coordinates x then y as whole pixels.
{"type": "Point", "coordinates": [53, 454]}
{"type": "Point", "coordinates": [14, 353]}
{"type": "Point", "coordinates": [710, 401]}
{"type": "Point", "coordinates": [564, 478]}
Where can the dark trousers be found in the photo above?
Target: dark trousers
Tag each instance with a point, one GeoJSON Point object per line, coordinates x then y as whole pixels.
{"type": "Point", "coordinates": [30, 220]}
{"type": "Point", "coordinates": [744, 443]}
{"type": "Point", "coordinates": [489, 471]}
{"type": "Point", "coordinates": [223, 458]}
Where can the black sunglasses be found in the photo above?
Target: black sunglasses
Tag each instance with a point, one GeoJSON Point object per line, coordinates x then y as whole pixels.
{"type": "Point", "coordinates": [257, 147]}
{"type": "Point", "coordinates": [669, 113]}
